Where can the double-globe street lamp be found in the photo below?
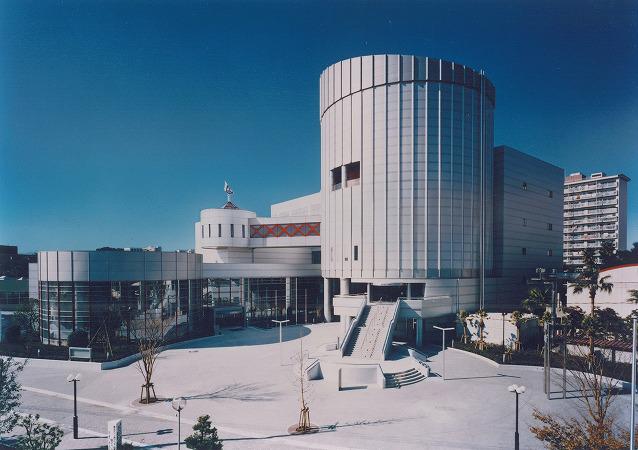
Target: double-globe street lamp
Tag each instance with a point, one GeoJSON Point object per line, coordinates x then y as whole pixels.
{"type": "Point", "coordinates": [74, 378]}
{"type": "Point", "coordinates": [518, 390]}
{"type": "Point", "coordinates": [178, 405]}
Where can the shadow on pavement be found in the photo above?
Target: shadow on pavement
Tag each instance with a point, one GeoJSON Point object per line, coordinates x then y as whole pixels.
{"type": "Point", "coordinates": [245, 392]}
{"type": "Point", "coordinates": [248, 336]}
{"type": "Point", "coordinates": [498, 375]}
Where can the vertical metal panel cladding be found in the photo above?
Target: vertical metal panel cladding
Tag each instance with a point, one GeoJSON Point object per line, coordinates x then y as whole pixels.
{"type": "Point", "coordinates": [406, 160]}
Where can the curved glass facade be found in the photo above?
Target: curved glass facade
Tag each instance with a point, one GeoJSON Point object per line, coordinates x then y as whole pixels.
{"type": "Point", "coordinates": [115, 290]}
{"type": "Point", "coordinates": [421, 130]}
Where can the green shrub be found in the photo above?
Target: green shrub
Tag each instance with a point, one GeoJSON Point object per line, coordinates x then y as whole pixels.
{"type": "Point", "coordinates": [204, 436]}
{"type": "Point", "coordinates": [38, 435]}
{"type": "Point", "coordinates": [79, 338]}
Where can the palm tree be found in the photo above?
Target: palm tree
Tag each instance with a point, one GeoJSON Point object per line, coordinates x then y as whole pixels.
{"type": "Point", "coordinates": [462, 315]}
{"type": "Point", "coordinates": [537, 301]}
{"type": "Point", "coordinates": [479, 322]}
{"type": "Point", "coordinates": [589, 280]}
{"type": "Point", "coordinates": [516, 319]}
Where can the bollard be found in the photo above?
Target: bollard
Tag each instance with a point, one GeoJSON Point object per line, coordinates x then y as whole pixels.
{"type": "Point", "coordinates": [115, 434]}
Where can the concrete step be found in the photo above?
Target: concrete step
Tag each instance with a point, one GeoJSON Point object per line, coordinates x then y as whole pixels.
{"type": "Point", "coordinates": [405, 378]}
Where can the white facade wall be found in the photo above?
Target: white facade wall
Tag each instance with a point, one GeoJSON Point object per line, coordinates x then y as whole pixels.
{"type": "Point", "coordinates": [224, 235]}
{"type": "Point", "coordinates": [117, 266]}
{"type": "Point", "coordinates": [308, 205]}
{"type": "Point", "coordinates": [624, 278]}
{"type": "Point", "coordinates": [421, 130]}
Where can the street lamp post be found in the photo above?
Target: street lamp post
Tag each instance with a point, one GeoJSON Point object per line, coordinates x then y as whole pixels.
{"type": "Point", "coordinates": [518, 390]}
{"type": "Point", "coordinates": [178, 404]}
{"type": "Point", "coordinates": [443, 345]}
{"type": "Point", "coordinates": [281, 355]}
{"type": "Point", "coordinates": [74, 379]}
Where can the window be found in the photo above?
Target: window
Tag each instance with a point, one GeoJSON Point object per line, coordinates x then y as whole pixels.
{"type": "Point", "coordinates": [316, 256]}
{"type": "Point", "coordinates": [524, 222]}
{"type": "Point", "coordinates": [524, 186]}
{"type": "Point", "coordinates": [550, 194]}
{"type": "Point", "coordinates": [353, 173]}
{"type": "Point", "coordinates": [524, 250]}
{"type": "Point", "coordinates": [336, 178]}
{"type": "Point", "coordinates": [219, 230]}
{"type": "Point", "coordinates": [209, 233]}
{"type": "Point", "coordinates": [356, 253]}
{"type": "Point", "coordinates": [202, 231]}
{"type": "Point", "coordinates": [549, 252]}
{"type": "Point", "coordinates": [232, 230]}
{"type": "Point", "coordinates": [550, 227]}
{"type": "Point", "coordinates": [243, 230]}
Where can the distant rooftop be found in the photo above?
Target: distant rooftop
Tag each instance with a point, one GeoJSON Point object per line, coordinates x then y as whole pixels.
{"type": "Point", "coordinates": [579, 176]}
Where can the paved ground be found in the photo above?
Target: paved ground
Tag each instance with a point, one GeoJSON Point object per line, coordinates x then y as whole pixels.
{"type": "Point", "coordinates": [250, 394]}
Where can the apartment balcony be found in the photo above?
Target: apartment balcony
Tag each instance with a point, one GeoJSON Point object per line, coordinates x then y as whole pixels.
{"type": "Point", "coordinates": [590, 187]}
{"type": "Point", "coordinates": [588, 212]}
{"type": "Point", "coordinates": [591, 237]}
{"type": "Point", "coordinates": [587, 229]}
{"type": "Point", "coordinates": [591, 204]}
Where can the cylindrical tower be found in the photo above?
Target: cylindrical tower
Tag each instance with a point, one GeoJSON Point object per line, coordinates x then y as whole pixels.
{"type": "Point", "coordinates": [406, 170]}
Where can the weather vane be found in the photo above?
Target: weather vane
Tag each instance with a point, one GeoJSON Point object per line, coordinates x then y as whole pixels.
{"type": "Point", "coordinates": [229, 192]}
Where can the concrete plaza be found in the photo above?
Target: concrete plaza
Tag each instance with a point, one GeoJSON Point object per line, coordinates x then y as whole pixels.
{"type": "Point", "coordinates": [239, 379]}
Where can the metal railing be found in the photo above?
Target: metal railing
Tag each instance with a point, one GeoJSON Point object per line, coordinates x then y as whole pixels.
{"type": "Point", "coordinates": [387, 345]}
{"type": "Point", "coordinates": [353, 325]}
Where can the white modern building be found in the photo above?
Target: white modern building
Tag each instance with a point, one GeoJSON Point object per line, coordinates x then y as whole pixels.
{"type": "Point", "coordinates": [114, 291]}
{"type": "Point", "coordinates": [595, 211]}
{"type": "Point", "coordinates": [268, 267]}
{"type": "Point", "coordinates": [418, 216]}
{"type": "Point", "coordinates": [408, 193]}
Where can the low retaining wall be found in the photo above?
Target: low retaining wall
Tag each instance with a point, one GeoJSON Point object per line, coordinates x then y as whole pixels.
{"type": "Point", "coordinates": [625, 385]}
{"type": "Point", "coordinates": [106, 365]}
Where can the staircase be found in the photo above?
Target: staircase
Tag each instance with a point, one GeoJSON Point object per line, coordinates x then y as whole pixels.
{"type": "Point", "coordinates": [356, 333]}
{"type": "Point", "coordinates": [369, 336]}
{"type": "Point", "coordinates": [400, 379]}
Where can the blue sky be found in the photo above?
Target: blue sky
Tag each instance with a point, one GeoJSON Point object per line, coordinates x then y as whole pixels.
{"type": "Point", "coordinates": [120, 120]}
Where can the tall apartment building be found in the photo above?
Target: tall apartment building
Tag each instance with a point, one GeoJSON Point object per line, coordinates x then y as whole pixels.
{"type": "Point", "coordinates": [595, 211]}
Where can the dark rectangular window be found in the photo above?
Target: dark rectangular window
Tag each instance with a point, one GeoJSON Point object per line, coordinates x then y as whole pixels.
{"type": "Point", "coordinates": [524, 250]}
{"type": "Point", "coordinates": [356, 253]}
{"type": "Point", "coordinates": [219, 230]}
{"type": "Point", "coordinates": [549, 252]}
{"type": "Point", "coordinates": [243, 231]}
{"type": "Point", "coordinates": [202, 231]}
{"type": "Point", "coordinates": [550, 194]}
{"type": "Point", "coordinates": [232, 230]}
{"type": "Point", "coordinates": [524, 222]}
{"type": "Point", "coordinates": [550, 226]}
{"type": "Point", "coordinates": [353, 173]}
{"type": "Point", "coordinates": [524, 186]}
{"type": "Point", "coordinates": [316, 256]}
{"type": "Point", "coordinates": [209, 232]}
{"type": "Point", "coordinates": [336, 178]}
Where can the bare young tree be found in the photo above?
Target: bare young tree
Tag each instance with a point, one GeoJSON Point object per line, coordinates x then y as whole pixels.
{"type": "Point", "coordinates": [303, 385]}
{"type": "Point", "coordinates": [594, 427]}
{"type": "Point", "coordinates": [147, 332]}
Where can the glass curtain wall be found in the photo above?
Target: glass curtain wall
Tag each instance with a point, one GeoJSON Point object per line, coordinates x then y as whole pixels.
{"type": "Point", "coordinates": [298, 299]}
{"type": "Point", "coordinates": [122, 310]}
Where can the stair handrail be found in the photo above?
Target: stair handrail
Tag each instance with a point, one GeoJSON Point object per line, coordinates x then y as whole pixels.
{"type": "Point", "coordinates": [353, 325]}
{"type": "Point", "coordinates": [387, 345]}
